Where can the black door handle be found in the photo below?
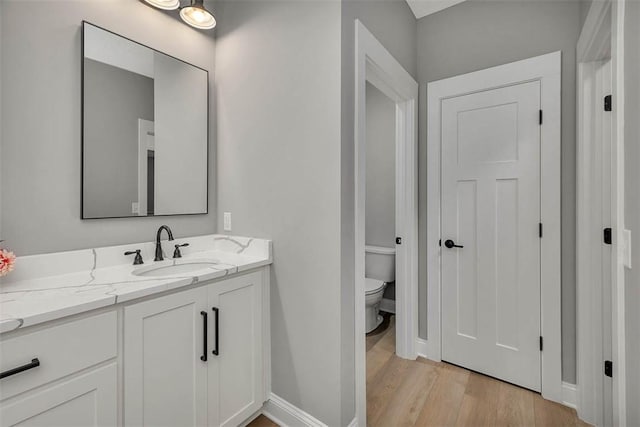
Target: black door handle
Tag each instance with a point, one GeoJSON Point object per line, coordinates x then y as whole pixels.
{"type": "Point", "coordinates": [34, 364]}
{"type": "Point", "coordinates": [451, 244]}
{"type": "Point", "coordinates": [204, 336]}
{"type": "Point", "coordinates": [216, 312]}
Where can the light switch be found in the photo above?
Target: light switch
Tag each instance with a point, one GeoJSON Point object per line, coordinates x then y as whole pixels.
{"type": "Point", "coordinates": [626, 257]}
{"type": "Point", "coordinates": [227, 221]}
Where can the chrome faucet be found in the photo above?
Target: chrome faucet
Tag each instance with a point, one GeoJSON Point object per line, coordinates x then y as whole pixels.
{"type": "Point", "coordinates": [159, 256]}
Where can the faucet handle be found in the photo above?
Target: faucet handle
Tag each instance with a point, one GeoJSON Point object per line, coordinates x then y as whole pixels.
{"type": "Point", "coordinates": [138, 259]}
{"type": "Point", "coordinates": [176, 252]}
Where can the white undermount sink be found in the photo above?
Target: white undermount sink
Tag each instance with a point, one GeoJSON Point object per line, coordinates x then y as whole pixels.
{"type": "Point", "coordinates": [173, 269]}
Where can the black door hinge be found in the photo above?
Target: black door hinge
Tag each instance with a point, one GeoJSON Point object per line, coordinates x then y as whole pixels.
{"type": "Point", "coordinates": [541, 343]}
{"type": "Point", "coordinates": [608, 368]}
{"type": "Point", "coordinates": [607, 236]}
{"type": "Point", "coordinates": [540, 116]}
{"type": "Point", "coordinates": [540, 230]}
{"type": "Point", "coordinates": [398, 240]}
{"type": "Point", "coordinates": [607, 103]}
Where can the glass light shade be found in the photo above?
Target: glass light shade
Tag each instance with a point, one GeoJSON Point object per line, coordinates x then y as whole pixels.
{"type": "Point", "coordinates": [197, 16]}
{"type": "Point", "coordinates": [164, 4]}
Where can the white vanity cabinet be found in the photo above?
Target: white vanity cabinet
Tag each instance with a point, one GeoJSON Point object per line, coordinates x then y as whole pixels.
{"type": "Point", "coordinates": [195, 357]}
{"type": "Point", "coordinates": [63, 375]}
{"type": "Point", "coordinates": [184, 342]}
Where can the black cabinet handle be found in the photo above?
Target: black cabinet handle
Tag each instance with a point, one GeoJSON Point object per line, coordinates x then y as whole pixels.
{"type": "Point", "coordinates": [216, 311]}
{"type": "Point", "coordinates": [451, 244]}
{"type": "Point", "coordinates": [34, 364]}
{"type": "Point", "coordinates": [204, 335]}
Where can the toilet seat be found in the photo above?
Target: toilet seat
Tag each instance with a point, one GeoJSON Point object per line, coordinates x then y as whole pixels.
{"type": "Point", "coordinates": [372, 286]}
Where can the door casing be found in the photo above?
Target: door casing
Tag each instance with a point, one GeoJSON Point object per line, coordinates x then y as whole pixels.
{"type": "Point", "coordinates": [601, 39]}
{"type": "Point", "coordinates": [547, 70]}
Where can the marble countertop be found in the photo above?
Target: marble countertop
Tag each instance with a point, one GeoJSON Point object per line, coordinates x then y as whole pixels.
{"type": "Point", "coordinates": [51, 286]}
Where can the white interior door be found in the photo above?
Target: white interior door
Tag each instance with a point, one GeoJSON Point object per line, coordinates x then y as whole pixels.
{"type": "Point", "coordinates": [491, 207]}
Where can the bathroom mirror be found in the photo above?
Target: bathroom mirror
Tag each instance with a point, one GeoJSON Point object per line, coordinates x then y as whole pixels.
{"type": "Point", "coordinates": [144, 130]}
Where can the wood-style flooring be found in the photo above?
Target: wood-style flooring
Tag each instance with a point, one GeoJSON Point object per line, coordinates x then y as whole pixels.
{"type": "Point", "coordinates": [262, 421]}
{"type": "Point", "coordinates": [421, 393]}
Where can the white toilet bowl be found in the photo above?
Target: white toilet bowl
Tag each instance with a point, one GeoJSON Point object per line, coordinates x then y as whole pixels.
{"type": "Point", "coordinates": [380, 266]}
{"type": "Point", "coordinates": [374, 289]}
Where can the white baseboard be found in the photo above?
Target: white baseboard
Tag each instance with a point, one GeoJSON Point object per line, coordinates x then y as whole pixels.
{"type": "Point", "coordinates": [421, 347]}
{"type": "Point", "coordinates": [285, 414]}
{"type": "Point", "coordinates": [388, 305]}
{"type": "Point", "coordinates": [569, 395]}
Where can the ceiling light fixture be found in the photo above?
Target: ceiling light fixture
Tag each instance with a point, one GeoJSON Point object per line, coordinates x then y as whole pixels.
{"type": "Point", "coordinates": [164, 4]}
{"type": "Point", "coordinates": [197, 15]}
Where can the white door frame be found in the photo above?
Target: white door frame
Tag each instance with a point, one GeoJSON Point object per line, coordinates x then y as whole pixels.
{"type": "Point", "coordinates": [546, 69]}
{"type": "Point", "coordinates": [374, 64]}
{"type": "Point", "coordinates": [601, 38]}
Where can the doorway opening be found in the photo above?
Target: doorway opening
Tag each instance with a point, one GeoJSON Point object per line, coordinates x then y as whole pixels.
{"type": "Point", "coordinates": [380, 210]}
{"type": "Point", "coordinates": [146, 168]}
{"type": "Point", "coordinates": [376, 67]}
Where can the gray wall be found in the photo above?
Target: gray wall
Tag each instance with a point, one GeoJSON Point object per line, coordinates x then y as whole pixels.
{"type": "Point", "coordinates": [40, 127]}
{"type": "Point", "coordinates": [632, 205]}
{"type": "Point", "coordinates": [394, 25]}
{"type": "Point", "coordinates": [475, 35]}
{"type": "Point", "coordinates": [585, 5]}
{"type": "Point", "coordinates": [278, 98]}
{"type": "Point", "coordinates": [114, 100]}
{"type": "Point", "coordinates": [381, 171]}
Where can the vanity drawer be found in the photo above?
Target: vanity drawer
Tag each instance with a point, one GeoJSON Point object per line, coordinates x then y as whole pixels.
{"type": "Point", "coordinates": [60, 350]}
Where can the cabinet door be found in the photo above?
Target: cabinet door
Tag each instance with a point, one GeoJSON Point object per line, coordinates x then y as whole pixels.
{"type": "Point", "coordinates": [165, 379]}
{"type": "Point", "coordinates": [236, 372]}
{"type": "Point", "coordinates": [86, 400]}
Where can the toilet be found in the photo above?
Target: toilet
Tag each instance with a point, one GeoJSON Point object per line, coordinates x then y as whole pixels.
{"type": "Point", "coordinates": [380, 269]}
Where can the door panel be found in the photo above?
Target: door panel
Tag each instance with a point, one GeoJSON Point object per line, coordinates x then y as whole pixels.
{"type": "Point", "coordinates": [235, 373]}
{"type": "Point", "coordinates": [507, 262]}
{"type": "Point", "coordinates": [491, 206]}
{"type": "Point", "coordinates": [165, 379]}
{"type": "Point", "coordinates": [467, 280]}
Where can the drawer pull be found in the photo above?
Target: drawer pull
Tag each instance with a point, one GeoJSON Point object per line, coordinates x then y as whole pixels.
{"type": "Point", "coordinates": [34, 364]}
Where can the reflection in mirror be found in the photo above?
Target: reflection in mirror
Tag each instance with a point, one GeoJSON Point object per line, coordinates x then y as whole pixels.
{"type": "Point", "coordinates": [145, 130]}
